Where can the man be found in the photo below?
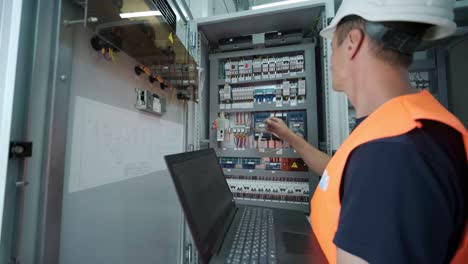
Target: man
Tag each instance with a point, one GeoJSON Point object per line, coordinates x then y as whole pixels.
{"type": "Point", "coordinates": [396, 190]}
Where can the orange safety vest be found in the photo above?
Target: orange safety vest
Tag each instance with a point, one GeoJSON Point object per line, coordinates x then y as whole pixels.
{"type": "Point", "coordinates": [396, 117]}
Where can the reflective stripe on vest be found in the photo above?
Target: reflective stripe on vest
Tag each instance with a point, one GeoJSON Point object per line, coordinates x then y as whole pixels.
{"type": "Point", "coordinates": [396, 117]}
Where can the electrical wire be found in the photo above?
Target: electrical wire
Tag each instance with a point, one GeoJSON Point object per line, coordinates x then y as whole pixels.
{"type": "Point", "coordinates": [236, 141]}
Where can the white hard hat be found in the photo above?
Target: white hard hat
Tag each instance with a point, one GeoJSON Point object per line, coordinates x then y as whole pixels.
{"type": "Point", "coordinates": [433, 12]}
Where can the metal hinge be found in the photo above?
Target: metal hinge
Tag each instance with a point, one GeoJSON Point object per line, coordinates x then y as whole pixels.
{"type": "Point", "coordinates": [20, 149]}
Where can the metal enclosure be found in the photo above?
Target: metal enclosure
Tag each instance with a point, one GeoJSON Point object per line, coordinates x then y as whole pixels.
{"type": "Point", "coordinates": [288, 17]}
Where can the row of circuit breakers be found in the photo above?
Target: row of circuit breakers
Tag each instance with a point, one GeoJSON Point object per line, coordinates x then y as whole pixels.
{"type": "Point", "coordinates": [240, 131]}
{"type": "Point", "coordinates": [287, 188]}
{"type": "Point", "coordinates": [261, 68]}
{"type": "Point", "coordinates": [269, 190]}
{"type": "Point", "coordinates": [267, 163]}
{"type": "Point", "coordinates": [288, 92]}
{"type": "Point", "coordinates": [248, 130]}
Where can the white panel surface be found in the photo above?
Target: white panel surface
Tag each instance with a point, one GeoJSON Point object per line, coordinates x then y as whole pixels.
{"type": "Point", "coordinates": [111, 144]}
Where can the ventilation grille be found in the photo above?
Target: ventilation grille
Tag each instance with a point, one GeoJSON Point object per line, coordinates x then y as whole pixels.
{"type": "Point", "coordinates": [167, 13]}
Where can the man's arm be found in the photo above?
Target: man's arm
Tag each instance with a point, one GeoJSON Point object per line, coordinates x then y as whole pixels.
{"type": "Point", "coordinates": [314, 158]}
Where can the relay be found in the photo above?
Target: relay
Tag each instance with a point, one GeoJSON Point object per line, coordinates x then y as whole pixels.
{"type": "Point", "coordinates": [260, 127]}
{"type": "Point", "coordinates": [297, 123]}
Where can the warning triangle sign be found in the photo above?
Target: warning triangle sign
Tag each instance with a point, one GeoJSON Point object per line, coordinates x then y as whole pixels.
{"type": "Point", "coordinates": [294, 165]}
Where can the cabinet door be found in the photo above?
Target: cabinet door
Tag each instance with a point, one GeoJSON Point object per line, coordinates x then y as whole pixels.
{"type": "Point", "coordinates": [13, 109]}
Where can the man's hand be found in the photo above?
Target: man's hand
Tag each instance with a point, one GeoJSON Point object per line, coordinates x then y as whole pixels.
{"type": "Point", "coordinates": [278, 127]}
{"type": "Point", "coordinates": [315, 159]}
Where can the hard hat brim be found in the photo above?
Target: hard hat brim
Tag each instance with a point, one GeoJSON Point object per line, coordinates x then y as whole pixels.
{"type": "Point", "coordinates": [442, 28]}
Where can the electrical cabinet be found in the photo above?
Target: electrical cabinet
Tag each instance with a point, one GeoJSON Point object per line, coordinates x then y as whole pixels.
{"type": "Point", "coordinates": [246, 88]}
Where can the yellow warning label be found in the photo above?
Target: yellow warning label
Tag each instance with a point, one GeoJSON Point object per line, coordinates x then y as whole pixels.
{"type": "Point", "coordinates": [171, 38]}
{"type": "Point", "coordinates": [294, 165]}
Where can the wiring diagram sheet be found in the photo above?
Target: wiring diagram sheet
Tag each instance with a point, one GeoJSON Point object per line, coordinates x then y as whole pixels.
{"type": "Point", "coordinates": [111, 144]}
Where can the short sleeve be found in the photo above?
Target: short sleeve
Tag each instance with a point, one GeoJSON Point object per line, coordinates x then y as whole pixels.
{"type": "Point", "coordinates": [394, 209]}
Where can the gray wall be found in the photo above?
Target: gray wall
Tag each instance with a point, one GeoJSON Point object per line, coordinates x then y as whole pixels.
{"type": "Point", "coordinates": [137, 220]}
{"type": "Point", "coordinates": [222, 7]}
{"type": "Point", "coordinates": [458, 75]}
{"type": "Point", "coordinates": [199, 8]}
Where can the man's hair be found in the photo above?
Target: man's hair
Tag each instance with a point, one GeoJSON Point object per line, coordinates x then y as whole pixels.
{"type": "Point", "coordinates": [380, 51]}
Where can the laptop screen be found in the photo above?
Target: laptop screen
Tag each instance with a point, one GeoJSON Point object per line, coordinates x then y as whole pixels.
{"type": "Point", "coordinates": [204, 195]}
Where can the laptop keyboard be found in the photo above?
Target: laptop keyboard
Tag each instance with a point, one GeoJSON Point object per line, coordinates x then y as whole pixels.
{"type": "Point", "coordinates": [254, 242]}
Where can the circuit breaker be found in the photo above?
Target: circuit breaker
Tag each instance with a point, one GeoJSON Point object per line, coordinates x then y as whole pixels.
{"type": "Point", "coordinates": [260, 126]}
{"type": "Point", "coordinates": [297, 123]}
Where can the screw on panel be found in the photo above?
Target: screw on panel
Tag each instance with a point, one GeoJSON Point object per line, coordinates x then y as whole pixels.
{"type": "Point", "coordinates": [22, 183]}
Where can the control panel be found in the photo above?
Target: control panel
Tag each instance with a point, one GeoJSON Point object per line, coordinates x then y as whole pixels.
{"type": "Point", "coordinates": [261, 168]}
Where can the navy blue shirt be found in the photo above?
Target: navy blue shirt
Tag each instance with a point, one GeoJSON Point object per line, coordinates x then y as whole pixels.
{"type": "Point", "coordinates": [405, 198]}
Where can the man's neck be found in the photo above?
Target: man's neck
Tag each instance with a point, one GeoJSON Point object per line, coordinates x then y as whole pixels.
{"type": "Point", "coordinates": [377, 87]}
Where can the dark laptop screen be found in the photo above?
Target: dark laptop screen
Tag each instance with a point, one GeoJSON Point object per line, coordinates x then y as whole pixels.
{"type": "Point", "coordinates": [204, 195]}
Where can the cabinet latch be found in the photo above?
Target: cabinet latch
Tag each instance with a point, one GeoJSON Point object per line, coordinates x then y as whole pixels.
{"type": "Point", "coordinates": [20, 149]}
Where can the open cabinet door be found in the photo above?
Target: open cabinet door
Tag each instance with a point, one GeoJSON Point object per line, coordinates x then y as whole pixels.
{"type": "Point", "coordinates": [13, 101]}
{"type": "Point", "coordinates": [29, 91]}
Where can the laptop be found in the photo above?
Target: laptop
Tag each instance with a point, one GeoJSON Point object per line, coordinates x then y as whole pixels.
{"type": "Point", "coordinates": [227, 232]}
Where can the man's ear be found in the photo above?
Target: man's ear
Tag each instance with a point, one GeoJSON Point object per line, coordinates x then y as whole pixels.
{"type": "Point", "coordinates": [354, 41]}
